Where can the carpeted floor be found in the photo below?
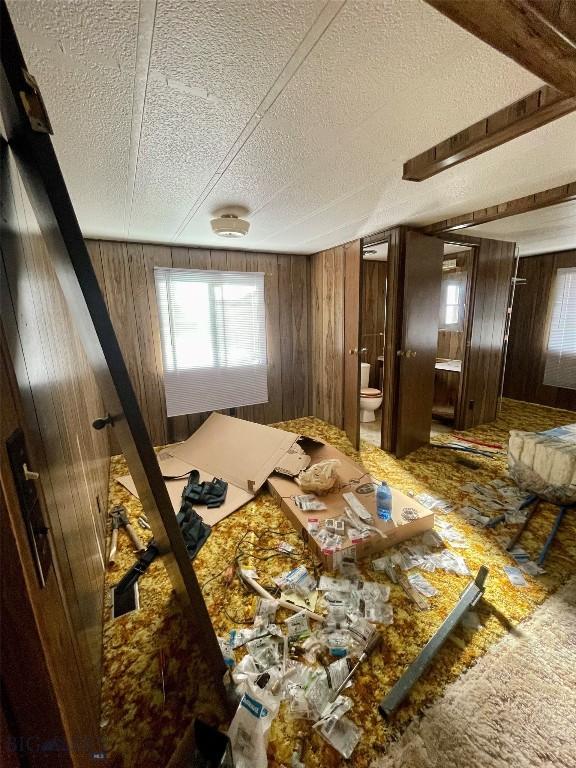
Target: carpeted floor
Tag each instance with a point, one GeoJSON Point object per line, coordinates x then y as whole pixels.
{"type": "Point", "coordinates": [142, 721]}
{"type": "Point", "coordinates": [515, 707]}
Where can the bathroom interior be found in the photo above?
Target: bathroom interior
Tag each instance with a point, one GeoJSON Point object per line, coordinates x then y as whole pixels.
{"type": "Point", "coordinates": [452, 322]}
{"type": "Point", "coordinates": [373, 319]}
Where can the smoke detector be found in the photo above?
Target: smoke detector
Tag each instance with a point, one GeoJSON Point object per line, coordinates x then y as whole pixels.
{"type": "Point", "coordinates": [229, 224]}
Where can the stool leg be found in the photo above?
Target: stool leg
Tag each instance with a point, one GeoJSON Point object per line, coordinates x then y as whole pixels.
{"type": "Point", "coordinates": [534, 501]}
{"type": "Point", "coordinates": [551, 535]}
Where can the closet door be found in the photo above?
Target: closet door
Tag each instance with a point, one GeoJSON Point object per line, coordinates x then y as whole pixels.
{"type": "Point", "coordinates": [422, 280]}
{"type": "Point", "coordinates": [27, 130]}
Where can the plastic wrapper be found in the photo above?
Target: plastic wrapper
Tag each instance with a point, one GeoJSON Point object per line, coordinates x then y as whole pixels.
{"type": "Point", "coordinates": [341, 734]}
{"type": "Point", "coordinates": [248, 732]}
{"type": "Point", "coordinates": [544, 463]}
{"type": "Point", "coordinates": [424, 587]}
{"type": "Point", "coordinates": [319, 478]}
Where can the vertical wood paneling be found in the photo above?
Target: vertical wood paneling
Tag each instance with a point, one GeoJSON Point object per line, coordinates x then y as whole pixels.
{"type": "Point", "coordinates": [327, 334]}
{"type": "Point", "coordinates": [300, 286]}
{"type": "Point", "coordinates": [60, 400]}
{"type": "Point", "coordinates": [526, 357]}
{"type": "Point", "coordinates": [126, 272]}
{"type": "Point", "coordinates": [481, 385]}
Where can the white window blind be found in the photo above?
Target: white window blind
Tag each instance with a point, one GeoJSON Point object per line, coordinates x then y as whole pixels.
{"type": "Point", "coordinates": [213, 335]}
{"type": "Point", "coordinates": [560, 370]}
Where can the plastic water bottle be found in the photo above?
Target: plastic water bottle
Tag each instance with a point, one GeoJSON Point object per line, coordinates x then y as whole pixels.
{"type": "Point", "coordinates": [384, 502]}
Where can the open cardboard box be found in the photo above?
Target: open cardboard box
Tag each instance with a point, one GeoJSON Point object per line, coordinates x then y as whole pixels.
{"type": "Point", "coordinates": [352, 478]}
{"type": "Point", "coordinates": [247, 455]}
{"type": "Point", "coordinates": [240, 452]}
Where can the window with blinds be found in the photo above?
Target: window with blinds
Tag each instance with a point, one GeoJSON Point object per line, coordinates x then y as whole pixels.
{"type": "Point", "coordinates": [560, 370]}
{"type": "Point", "coordinates": [213, 336]}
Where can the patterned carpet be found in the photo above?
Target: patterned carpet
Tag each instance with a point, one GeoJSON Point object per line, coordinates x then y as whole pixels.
{"type": "Point", "coordinates": [145, 711]}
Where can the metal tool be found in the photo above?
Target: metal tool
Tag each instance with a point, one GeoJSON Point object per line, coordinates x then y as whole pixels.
{"type": "Point", "coordinates": [533, 502]}
{"type": "Point", "coordinates": [552, 535]}
{"type": "Point", "coordinates": [468, 599]}
{"type": "Point", "coordinates": [120, 520]}
{"type": "Point", "coordinates": [371, 645]}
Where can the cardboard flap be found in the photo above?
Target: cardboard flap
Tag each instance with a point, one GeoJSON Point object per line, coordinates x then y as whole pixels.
{"type": "Point", "coordinates": [171, 467]}
{"type": "Point", "coordinates": [240, 452]}
{"type": "Point", "coordinates": [293, 461]}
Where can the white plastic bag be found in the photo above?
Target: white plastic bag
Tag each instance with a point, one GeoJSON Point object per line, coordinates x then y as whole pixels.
{"type": "Point", "coordinates": [319, 478]}
{"type": "Point", "coordinates": [248, 732]}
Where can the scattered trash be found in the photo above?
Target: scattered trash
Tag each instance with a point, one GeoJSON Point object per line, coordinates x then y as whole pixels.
{"type": "Point", "coordinates": [309, 503]}
{"type": "Point", "coordinates": [515, 576]}
{"type": "Point", "coordinates": [319, 478]}
{"type": "Point", "coordinates": [424, 587]}
{"type": "Point", "coordinates": [248, 732]}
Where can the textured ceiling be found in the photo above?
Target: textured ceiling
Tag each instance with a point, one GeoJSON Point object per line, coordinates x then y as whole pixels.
{"type": "Point", "coordinates": [543, 231]}
{"type": "Point", "coordinates": [301, 110]}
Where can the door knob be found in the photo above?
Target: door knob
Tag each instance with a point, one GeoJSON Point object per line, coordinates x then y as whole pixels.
{"type": "Point", "coordinates": [103, 422]}
{"type": "Point", "coordinates": [400, 353]}
{"type": "Point", "coordinates": [353, 351]}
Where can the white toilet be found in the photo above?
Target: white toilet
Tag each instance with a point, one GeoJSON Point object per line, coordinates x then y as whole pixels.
{"type": "Point", "coordinates": [370, 399]}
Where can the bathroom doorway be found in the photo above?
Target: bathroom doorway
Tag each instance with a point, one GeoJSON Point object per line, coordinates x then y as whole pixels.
{"type": "Point", "coordinates": [453, 337]}
{"type": "Point", "coordinates": [373, 324]}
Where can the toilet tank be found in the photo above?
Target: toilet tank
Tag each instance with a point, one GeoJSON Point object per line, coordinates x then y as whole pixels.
{"type": "Point", "coordinates": [364, 375]}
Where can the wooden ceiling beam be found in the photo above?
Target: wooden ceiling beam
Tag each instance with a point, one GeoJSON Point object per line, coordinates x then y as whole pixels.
{"type": "Point", "coordinates": [540, 35]}
{"type": "Point", "coordinates": [533, 111]}
{"type": "Point", "coordinates": [544, 199]}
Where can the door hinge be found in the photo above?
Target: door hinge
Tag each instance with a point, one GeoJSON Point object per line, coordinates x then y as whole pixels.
{"type": "Point", "coordinates": [34, 106]}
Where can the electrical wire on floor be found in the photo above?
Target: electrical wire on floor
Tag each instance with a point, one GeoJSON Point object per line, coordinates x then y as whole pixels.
{"type": "Point", "coordinates": [255, 551]}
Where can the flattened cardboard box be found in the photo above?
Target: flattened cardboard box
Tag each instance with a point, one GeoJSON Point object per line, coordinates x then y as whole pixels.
{"type": "Point", "coordinates": [240, 452]}
{"type": "Point", "coordinates": [354, 478]}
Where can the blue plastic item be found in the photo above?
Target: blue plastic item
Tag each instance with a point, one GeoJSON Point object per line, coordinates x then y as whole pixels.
{"type": "Point", "coordinates": [384, 502]}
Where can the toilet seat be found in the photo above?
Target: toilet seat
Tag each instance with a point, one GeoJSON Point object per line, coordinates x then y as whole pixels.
{"type": "Point", "coordinates": [370, 392]}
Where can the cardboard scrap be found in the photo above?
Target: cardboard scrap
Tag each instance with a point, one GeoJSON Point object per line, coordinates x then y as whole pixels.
{"type": "Point", "coordinates": [240, 452]}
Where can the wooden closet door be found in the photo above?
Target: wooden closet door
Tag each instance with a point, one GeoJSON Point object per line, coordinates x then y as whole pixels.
{"type": "Point", "coordinates": [419, 340]}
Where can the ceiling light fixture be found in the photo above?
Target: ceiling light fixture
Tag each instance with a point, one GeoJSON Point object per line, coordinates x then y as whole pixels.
{"type": "Point", "coordinates": [229, 224]}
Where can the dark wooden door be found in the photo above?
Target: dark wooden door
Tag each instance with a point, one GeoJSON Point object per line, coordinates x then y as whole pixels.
{"type": "Point", "coordinates": [352, 335]}
{"type": "Point", "coordinates": [419, 340]}
{"type": "Point", "coordinates": [27, 130]}
{"type": "Point", "coordinates": [484, 358]}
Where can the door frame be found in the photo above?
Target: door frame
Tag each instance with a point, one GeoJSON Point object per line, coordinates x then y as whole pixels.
{"type": "Point", "coordinates": [395, 237]}
{"type": "Point", "coordinates": [353, 282]}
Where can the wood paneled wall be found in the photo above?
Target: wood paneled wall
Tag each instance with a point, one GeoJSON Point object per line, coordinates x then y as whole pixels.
{"type": "Point", "coordinates": [126, 275]}
{"type": "Point", "coordinates": [60, 400]}
{"type": "Point", "coordinates": [526, 357]}
{"type": "Point", "coordinates": [482, 365]}
{"type": "Point", "coordinates": [327, 335]}
{"type": "Point", "coordinates": [451, 344]}
{"type": "Point", "coordinates": [373, 313]}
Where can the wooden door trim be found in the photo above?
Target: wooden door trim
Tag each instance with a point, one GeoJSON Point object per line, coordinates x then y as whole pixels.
{"type": "Point", "coordinates": [352, 339]}
{"type": "Point", "coordinates": [395, 237]}
{"type": "Point", "coordinates": [459, 415]}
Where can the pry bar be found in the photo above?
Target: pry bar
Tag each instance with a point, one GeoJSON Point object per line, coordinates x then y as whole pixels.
{"type": "Point", "coordinates": [468, 599]}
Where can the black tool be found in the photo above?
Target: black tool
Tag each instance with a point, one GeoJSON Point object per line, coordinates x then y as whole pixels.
{"type": "Point", "coordinates": [140, 567]}
{"type": "Point", "coordinates": [212, 493]}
